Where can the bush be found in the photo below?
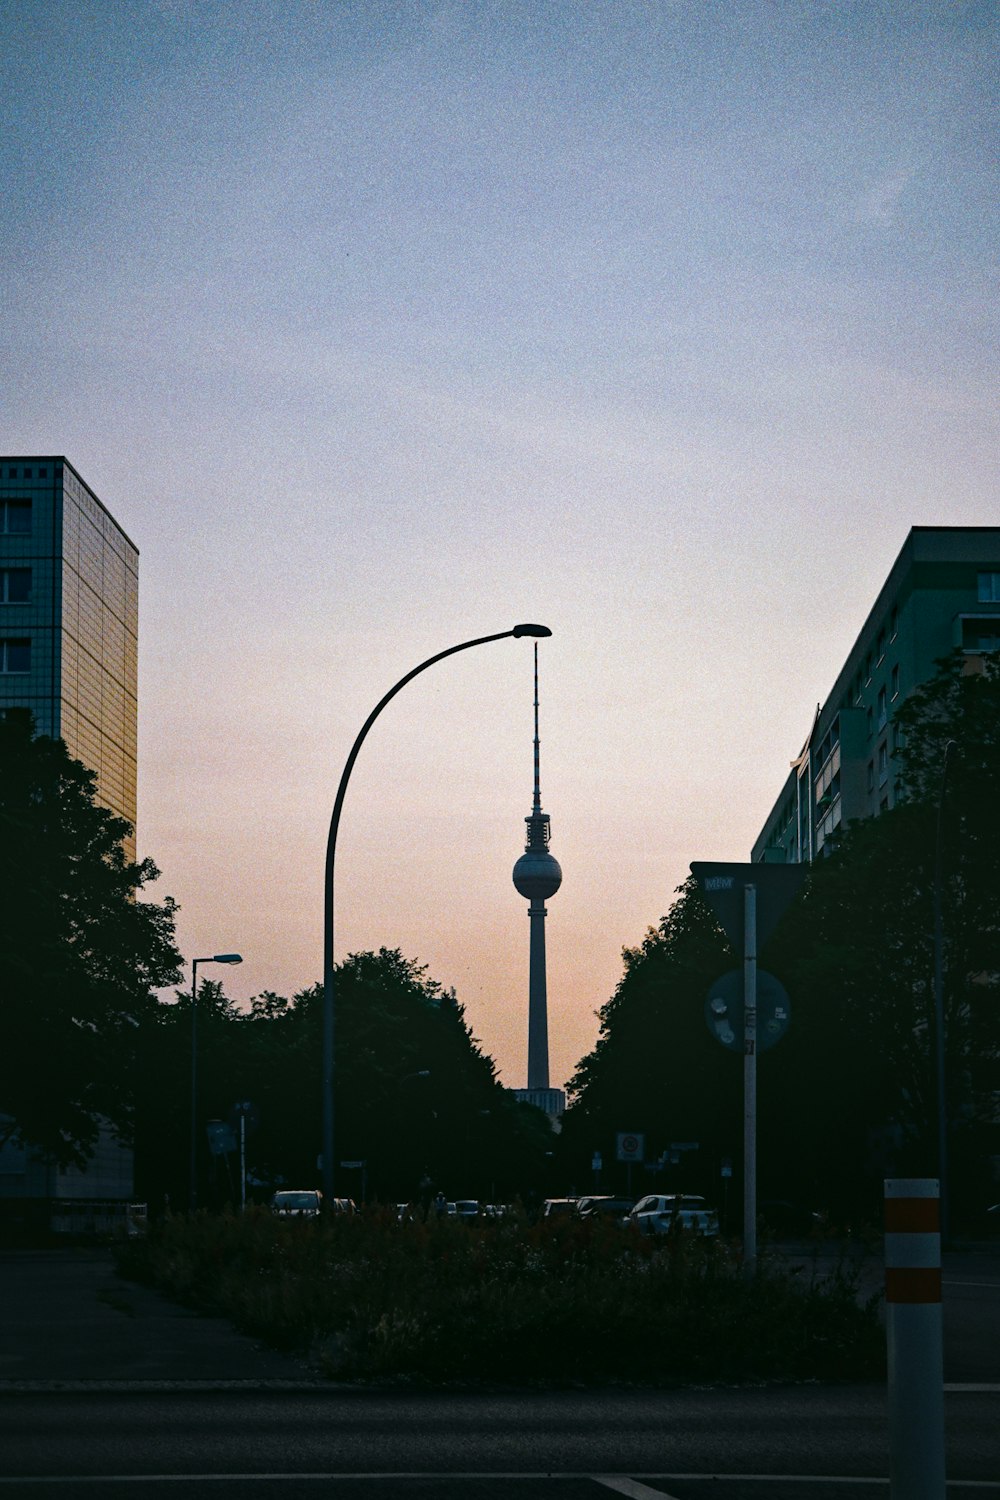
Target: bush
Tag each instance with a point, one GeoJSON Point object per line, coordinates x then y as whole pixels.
{"type": "Point", "coordinates": [561, 1301]}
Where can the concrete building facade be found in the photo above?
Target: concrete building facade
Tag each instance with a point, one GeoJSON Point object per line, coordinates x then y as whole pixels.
{"type": "Point", "coordinates": [942, 594]}
{"type": "Point", "coordinates": [69, 620]}
{"type": "Point", "coordinates": [69, 655]}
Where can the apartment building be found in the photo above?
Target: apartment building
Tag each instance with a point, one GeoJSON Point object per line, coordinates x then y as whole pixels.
{"type": "Point", "coordinates": [942, 593]}
{"type": "Point", "coordinates": [68, 654]}
{"type": "Point", "coordinates": [69, 579]}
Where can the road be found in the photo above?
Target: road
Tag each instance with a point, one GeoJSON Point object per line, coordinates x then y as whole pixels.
{"type": "Point", "coordinates": [219, 1438]}
{"type": "Point", "coordinates": [524, 1446]}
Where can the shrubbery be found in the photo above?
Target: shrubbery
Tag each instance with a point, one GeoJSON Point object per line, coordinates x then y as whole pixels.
{"type": "Point", "coordinates": [560, 1301]}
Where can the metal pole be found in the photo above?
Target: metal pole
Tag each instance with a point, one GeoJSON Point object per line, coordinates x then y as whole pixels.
{"type": "Point", "coordinates": [749, 1081]}
{"type": "Point", "coordinates": [914, 1339]}
{"type": "Point", "coordinates": [193, 1163]}
{"type": "Point", "coordinates": [243, 1160]}
{"type": "Point", "coordinates": [939, 1026]}
{"type": "Point", "coordinates": [329, 973]}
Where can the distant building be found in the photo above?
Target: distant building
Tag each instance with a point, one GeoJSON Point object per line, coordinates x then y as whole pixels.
{"type": "Point", "coordinates": [943, 593]}
{"type": "Point", "coordinates": [552, 1101]}
{"type": "Point", "coordinates": [69, 654]}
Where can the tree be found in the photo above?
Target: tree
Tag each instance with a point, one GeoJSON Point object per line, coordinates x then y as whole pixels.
{"type": "Point", "coordinates": [80, 956]}
{"type": "Point", "coordinates": [858, 1072]}
{"type": "Point", "coordinates": [849, 1094]}
{"type": "Point", "coordinates": [415, 1094]}
{"type": "Point", "coordinates": [655, 1069]}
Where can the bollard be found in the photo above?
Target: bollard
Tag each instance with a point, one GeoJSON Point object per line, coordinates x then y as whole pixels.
{"type": "Point", "coordinates": [913, 1338]}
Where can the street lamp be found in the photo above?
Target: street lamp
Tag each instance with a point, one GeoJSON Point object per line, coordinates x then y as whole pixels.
{"type": "Point", "coordinates": [329, 976]}
{"type": "Point", "coordinates": [216, 958]}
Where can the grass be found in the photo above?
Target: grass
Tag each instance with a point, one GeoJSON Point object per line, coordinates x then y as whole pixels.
{"type": "Point", "coordinates": [557, 1302]}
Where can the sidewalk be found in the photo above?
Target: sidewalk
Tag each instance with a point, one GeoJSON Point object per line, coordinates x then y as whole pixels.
{"type": "Point", "coordinates": [66, 1318]}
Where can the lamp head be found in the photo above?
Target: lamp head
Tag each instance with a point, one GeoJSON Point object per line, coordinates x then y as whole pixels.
{"type": "Point", "coordinates": [227, 958]}
{"type": "Point", "coordinates": [538, 630]}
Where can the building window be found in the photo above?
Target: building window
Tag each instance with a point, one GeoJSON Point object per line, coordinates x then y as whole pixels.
{"type": "Point", "coordinates": [27, 474]}
{"type": "Point", "coordinates": [989, 588]}
{"type": "Point", "coordinates": [15, 655]}
{"type": "Point", "coordinates": [15, 517]}
{"type": "Point", "coordinates": [894, 681]}
{"type": "Point", "coordinates": [883, 762]}
{"type": "Point", "coordinates": [884, 804]}
{"type": "Point", "coordinates": [43, 473]}
{"type": "Point", "coordinates": [868, 669]}
{"type": "Point", "coordinates": [981, 633]}
{"type": "Point", "coordinates": [871, 775]}
{"type": "Point", "coordinates": [893, 623]}
{"type": "Point", "coordinates": [881, 707]}
{"type": "Point", "coordinates": [869, 722]}
{"type": "Point", "coordinates": [15, 585]}
{"type": "Point", "coordinates": [880, 648]}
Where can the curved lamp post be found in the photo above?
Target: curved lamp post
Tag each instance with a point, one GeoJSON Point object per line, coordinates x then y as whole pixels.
{"type": "Point", "coordinates": [329, 977]}
{"type": "Point", "coordinates": [216, 958]}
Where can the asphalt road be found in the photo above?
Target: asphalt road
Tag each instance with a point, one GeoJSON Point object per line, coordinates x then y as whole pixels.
{"type": "Point", "coordinates": [688, 1444]}
{"type": "Point", "coordinates": [106, 1389]}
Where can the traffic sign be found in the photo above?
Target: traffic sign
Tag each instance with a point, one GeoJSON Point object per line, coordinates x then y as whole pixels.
{"type": "Point", "coordinates": [724, 1010]}
{"type": "Point", "coordinates": [722, 886]}
{"type": "Point", "coordinates": [631, 1146]}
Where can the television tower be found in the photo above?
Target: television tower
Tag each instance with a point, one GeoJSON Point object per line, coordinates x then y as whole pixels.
{"type": "Point", "coordinates": [536, 876]}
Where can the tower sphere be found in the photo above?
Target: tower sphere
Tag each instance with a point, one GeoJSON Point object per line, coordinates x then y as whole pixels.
{"type": "Point", "coordinates": [537, 875]}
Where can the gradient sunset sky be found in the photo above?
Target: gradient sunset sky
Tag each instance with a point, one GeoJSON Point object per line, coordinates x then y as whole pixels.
{"type": "Point", "coordinates": [379, 326]}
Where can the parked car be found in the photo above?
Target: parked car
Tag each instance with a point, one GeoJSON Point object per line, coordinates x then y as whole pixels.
{"type": "Point", "coordinates": [659, 1213]}
{"type": "Point", "coordinates": [558, 1207]}
{"type": "Point", "coordinates": [598, 1207]}
{"type": "Point", "coordinates": [297, 1203]}
{"type": "Point", "coordinates": [467, 1209]}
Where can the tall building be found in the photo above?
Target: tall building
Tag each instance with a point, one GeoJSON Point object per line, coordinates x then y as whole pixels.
{"type": "Point", "coordinates": [68, 653]}
{"type": "Point", "coordinates": [537, 875]}
{"type": "Point", "coordinates": [942, 594]}
{"type": "Point", "coordinates": [69, 617]}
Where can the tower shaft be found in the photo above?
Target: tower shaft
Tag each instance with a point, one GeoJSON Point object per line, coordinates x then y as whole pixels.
{"type": "Point", "coordinates": [538, 1015]}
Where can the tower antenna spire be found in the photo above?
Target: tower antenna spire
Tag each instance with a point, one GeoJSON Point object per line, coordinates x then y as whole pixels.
{"type": "Point", "coordinates": [536, 805]}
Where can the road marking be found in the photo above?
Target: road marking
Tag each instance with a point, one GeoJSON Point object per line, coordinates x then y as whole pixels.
{"type": "Point", "coordinates": [621, 1484]}
{"type": "Point", "coordinates": [979, 1388]}
{"type": "Point", "coordinates": [631, 1488]}
{"type": "Point", "coordinates": [992, 1286]}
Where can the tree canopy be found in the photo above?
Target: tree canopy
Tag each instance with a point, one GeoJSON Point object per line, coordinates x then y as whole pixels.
{"type": "Point", "coordinates": [849, 1094]}
{"type": "Point", "coordinates": [416, 1099]}
{"type": "Point", "coordinates": [81, 958]}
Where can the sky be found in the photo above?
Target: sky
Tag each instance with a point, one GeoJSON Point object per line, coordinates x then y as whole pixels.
{"type": "Point", "coordinates": [384, 326]}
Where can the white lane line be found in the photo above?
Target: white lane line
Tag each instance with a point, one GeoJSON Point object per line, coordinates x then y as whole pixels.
{"type": "Point", "coordinates": [637, 1490]}
{"type": "Point", "coordinates": [980, 1388]}
{"type": "Point", "coordinates": [630, 1488]}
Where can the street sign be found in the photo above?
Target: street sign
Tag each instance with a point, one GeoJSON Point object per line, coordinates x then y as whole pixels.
{"type": "Point", "coordinates": [722, 886]}
{"type": "Point", "coordinates": [724, 1010]}
{"type": "Point", "coordinates": [727, 1167]}
{"type": "Point", "coordinates": [596, 1162]}
{"type": "Point", "coordinates": [248, 1111]}
{"type": "Point", "coordinates": [221, 1137]}
{"type": "Point", "coordinates": [356, 1165]}
{"type": "Point", "coordinates": [631, 1146]}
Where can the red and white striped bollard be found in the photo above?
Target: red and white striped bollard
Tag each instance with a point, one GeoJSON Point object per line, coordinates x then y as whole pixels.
{"type": "Point", "coordinates": [914, 1338]}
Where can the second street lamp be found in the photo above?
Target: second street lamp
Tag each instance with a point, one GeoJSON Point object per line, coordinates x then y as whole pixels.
{"type": "Point", "coordinates": [329, 975]}
{"type": "Point", "coordinates": [216, 958]}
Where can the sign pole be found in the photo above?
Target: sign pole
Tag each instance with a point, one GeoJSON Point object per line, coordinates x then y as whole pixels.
{"type": "Point", "coordinates": [243, 1161]}
{"type": "Point", "coordinates": [750, 1081]}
